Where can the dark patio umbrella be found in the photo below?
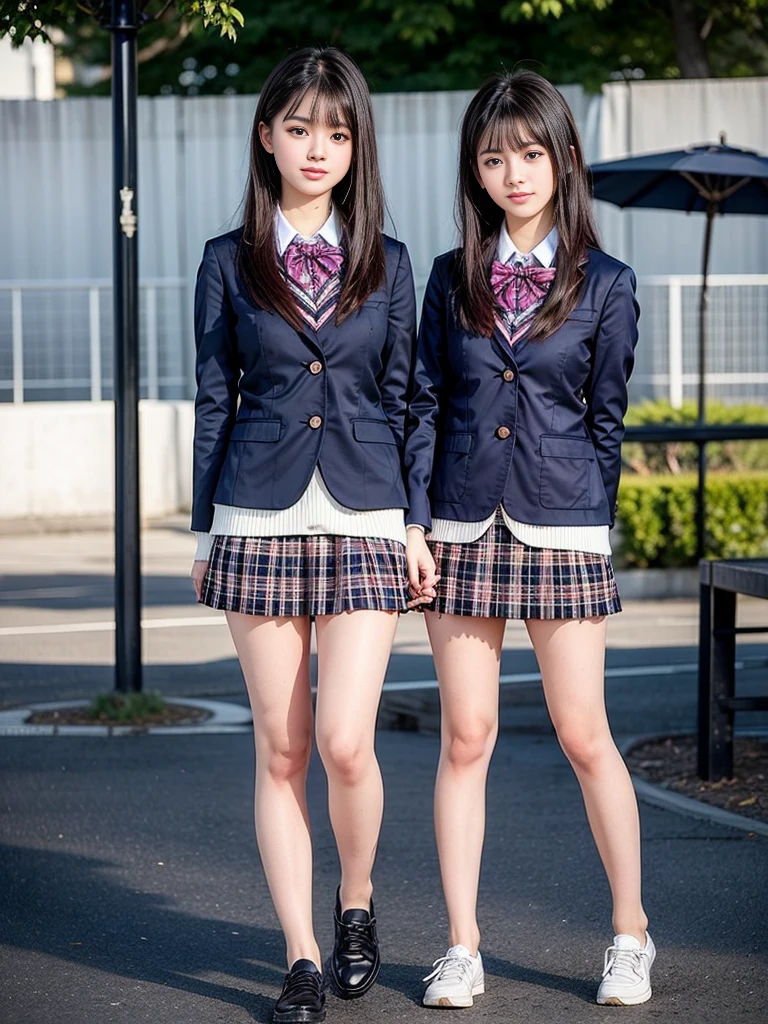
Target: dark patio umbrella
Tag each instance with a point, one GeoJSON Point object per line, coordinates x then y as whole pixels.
{"type": "Point", "coordinates": [710, 178]}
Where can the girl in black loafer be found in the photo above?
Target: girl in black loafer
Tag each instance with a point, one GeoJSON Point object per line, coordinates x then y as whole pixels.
{"type": "Point", "coordinates": [305, 327]}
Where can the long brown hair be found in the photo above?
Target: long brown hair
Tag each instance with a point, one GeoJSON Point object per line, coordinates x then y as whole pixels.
{"type": "Point", "coordinates": [515, 109]}
{"type": "Point", "coordinates": [340, 96]}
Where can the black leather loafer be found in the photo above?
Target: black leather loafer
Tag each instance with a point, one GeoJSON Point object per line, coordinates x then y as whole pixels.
{"type": "Point", "coordinates": [356, 962]}
{"type": "Point", "coordinates": [302, 1000]}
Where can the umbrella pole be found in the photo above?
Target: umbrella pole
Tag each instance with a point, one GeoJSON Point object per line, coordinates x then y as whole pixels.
{"type": "Point", "coordinates": [701, 499]}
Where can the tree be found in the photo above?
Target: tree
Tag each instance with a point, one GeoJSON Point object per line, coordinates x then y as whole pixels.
{"type": "Point", "coordinates": [32, 19]}
{"type": "Point", "coordinates": [406, 45]}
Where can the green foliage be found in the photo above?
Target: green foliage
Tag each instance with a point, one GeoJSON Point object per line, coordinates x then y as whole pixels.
{"type": "Point", "coordinates": [31, 19]}
{"type": "Point", "coordinates": [676, 458]}
{"type": "Point", "coordinates": [517, 10]}
{"type": "Point", "coordinates": [657, 516]}
{"type": "Point", "coordinates": [222, 15]}
{"type": "Point", "coordinates": [407, 45]}
{"type": "Point", "coordinates": [125, 707]}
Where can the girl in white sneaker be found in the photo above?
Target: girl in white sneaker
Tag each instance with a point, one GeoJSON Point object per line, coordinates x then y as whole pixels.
{"type": "Point", "coordinates": [513, 457]}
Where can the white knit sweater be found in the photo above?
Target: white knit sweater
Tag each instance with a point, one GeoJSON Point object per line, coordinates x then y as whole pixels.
{"type": "Point", "coordinates": [316, 512]}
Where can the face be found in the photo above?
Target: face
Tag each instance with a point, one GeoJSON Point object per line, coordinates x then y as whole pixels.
{"type": "Point", "coordinates": [311, 156]}
{"type": "Point", "coordinates": [520, 181]}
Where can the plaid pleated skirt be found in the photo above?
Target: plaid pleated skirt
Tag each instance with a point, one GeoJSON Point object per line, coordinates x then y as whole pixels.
{"type": "Point", "coordinates": [497, 576]}
{"type": "Point", "coordinates": [313, 575]}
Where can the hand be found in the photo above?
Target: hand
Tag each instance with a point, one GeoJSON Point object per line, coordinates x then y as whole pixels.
{"type": "Point", "coordinates": [422, 575]}
{"type": "Point", "coordinates": [199, 569]}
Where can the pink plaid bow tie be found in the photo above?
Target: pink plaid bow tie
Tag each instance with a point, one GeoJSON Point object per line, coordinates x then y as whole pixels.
{"type": "Point", "coordinates": [517, 287]}
{"type": "Point", "coordinates": [311, 264]}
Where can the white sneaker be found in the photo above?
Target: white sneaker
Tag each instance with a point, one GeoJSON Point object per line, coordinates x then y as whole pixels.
{"type": "Point", "coordinates": [627, 974]}
{"type": "Point", "coordinates": [457, 977]}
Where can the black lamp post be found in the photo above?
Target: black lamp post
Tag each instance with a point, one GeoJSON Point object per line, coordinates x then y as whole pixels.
{"type": "Point", "coordinates": [121, 18]}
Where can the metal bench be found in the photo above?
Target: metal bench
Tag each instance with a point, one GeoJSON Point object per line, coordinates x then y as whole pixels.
{"type": "Point", "coordinates": [720, 583]}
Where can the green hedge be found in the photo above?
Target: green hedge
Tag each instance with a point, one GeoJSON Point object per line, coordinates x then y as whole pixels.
{"type": "Point", "coordinates": [657, 518]}
{"type": "Point", "coordinates": [725, 456]}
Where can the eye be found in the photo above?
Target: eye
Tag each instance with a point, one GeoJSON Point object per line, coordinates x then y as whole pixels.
{"type": "Point", "coordinates": [492, 161]}
{"type": "Point", "coordinates": [297, 131]}
{"type": "Point", "coordinates": [339, 137]}
{"type": "Point", "coordinates": [534, 154]}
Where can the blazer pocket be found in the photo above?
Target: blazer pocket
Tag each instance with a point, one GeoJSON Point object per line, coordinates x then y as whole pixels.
{"type": "Point", "coordinates": [452, 466]}
{"type": "Point", "coordinates": [373, 431]}
{"type": "Point", "coordinates": [570, 477]}
{"type": "Point", "coordinates": [257, 430]}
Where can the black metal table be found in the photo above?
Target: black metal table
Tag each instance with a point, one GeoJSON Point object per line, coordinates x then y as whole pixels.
{"type": "Point", "coordinates": [720, 583]}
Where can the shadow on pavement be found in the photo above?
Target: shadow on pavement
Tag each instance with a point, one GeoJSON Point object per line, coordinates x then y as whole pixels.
{"type": "Point", "coordinates": [67, 907]}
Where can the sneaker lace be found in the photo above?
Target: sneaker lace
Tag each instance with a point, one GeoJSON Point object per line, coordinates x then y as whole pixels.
{"type": "Point", "coordinates": [357, 938]}
{"type": "Point", "coordinates": [624, 963]}
{"type": "Point", "coordinates": [451, 968]}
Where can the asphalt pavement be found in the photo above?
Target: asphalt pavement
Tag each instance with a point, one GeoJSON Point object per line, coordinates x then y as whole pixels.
{"type": "Point", "coordinates": [131, 888]}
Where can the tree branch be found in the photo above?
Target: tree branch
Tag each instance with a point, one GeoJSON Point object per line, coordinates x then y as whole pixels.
{"type": "Point", "coordinates": [166, 5]}
{"type": "Point", "coordinates": [689, 44]}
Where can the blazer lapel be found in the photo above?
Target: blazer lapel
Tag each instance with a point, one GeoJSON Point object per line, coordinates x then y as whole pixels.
{"type": "Point", "coordinates": [502, 343]}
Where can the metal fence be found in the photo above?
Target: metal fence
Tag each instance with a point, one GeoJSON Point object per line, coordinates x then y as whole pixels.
{"type": "Point", "coordinates": [737, 338]}
{"type": "Point", "coordinates": [56, 339]}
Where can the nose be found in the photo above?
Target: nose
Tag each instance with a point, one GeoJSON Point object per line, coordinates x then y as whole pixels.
{"type": "Point", "coordinates": [316, 148]}
{"type": "Point", "coordinates": [515, 171]}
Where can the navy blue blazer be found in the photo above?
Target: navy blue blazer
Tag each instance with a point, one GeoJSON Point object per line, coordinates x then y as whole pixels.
{"type": "Point", "coordinates": [537, 426]}
{"type": "Point", "coordinates": [273, 402]}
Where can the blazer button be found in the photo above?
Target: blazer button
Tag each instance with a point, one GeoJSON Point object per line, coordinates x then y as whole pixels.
{"type": "Point", "coordinates": [315, 422]}
{"type": "Point", "coordinates": [503, 433]}
{"type": "Point", "coordinates": [316, 367]}
{"type": "Point", "coordinates": [508, 374]}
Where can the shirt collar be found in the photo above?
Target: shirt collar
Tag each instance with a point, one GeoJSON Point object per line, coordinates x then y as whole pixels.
{"type": "Point", "coordinates": [285, 233]}
{"type": "Point", "coordinates": [544, 252]}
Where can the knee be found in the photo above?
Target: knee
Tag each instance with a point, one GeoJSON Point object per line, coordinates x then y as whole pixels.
{"type": "Point", "coordinates": [284, 759]}
{"type": "Point", "coordinates": [470, 744]}
{"type": "Point", "coordinates": [585, 748]}
{"type": "Point", "coordinates": [344, 757]}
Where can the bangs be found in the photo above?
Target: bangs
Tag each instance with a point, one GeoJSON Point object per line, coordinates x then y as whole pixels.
{"type": "Point", "coordinates": [507, 126]}
{"type": "Point", "coordinates": [331, 106]}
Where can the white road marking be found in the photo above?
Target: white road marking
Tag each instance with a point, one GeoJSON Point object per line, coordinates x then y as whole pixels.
{"type": "Point", "coordinates": [108, 626]}
{"type": "Point", "coordinates": [617, 672]}
{"type": "Point", "coordinates": [520, 678]}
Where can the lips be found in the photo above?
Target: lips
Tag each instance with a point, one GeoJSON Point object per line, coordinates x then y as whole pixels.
{"type": "Point", "coordinates": [314, 173]}
{"type": "Point", "coordinates": [519, 197]}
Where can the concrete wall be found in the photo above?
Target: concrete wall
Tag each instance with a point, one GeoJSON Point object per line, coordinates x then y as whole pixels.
{"type": "Point", "coordinates": [27, 72]}
{"type": "Point", "coordinates": [58, 459]}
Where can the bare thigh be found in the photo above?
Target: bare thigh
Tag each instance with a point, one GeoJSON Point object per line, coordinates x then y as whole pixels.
{"type": "Point", "coordinates": [274, 657]}
{"type": "Point", "coordinates": [571, 656]}
{"type": "Point", "coordinates": [467, 653]}
{"type": "Point", "coordinates": [353, 652]}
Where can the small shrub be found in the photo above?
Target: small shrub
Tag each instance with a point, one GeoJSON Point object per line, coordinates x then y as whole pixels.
{"type": "Point", "coordinates": [657, 516]}
{"type": "Point", "coordinates": [125, 707]}
{"type": "Point", "coordinates": [678, 458]}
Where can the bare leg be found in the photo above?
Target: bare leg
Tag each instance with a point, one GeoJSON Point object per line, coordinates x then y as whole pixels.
{"type": "Point", "coordinates": [467, 654]}
{"type": "Point", "coordinates": [352, 656]}
{"type": "Point", "coordinates": [274, 656]}
{"type": "Point", "coordinates": [571, 656]}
